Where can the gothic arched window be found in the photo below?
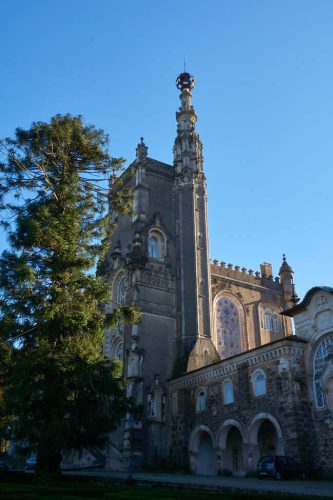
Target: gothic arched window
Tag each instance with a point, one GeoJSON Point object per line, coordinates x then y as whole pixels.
{"type": "Point", "coordinates": [320, 365]}
{"type": "Point", "coordinates": [227, 328]}
{"type": "Point", "coordinates": [122, 292]}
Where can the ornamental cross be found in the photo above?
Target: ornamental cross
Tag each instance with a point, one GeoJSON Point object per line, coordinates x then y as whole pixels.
{"type": "Point", "coordinates": [321, 301]}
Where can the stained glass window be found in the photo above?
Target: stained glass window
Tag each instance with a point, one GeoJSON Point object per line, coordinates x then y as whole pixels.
{"type": "Point", "coordinates": [320, 362]}
{"type": "Point", "coordinates": [227, 328]}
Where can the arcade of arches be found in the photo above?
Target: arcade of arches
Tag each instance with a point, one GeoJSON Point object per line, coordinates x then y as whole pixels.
{"type": "Point", "coordinates": [234, 449]}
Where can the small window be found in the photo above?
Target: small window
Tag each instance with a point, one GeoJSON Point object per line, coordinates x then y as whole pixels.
{"type": "Point", "coordinates": [155, 404]}
{"type": "Point", "coordinates": [206, 357]}
{"type": "Point", "coordinates": [275, 324]}
{"type": "Point", "coordinates": [259, 384]}
{"type": "Point", "coordinates": [152, 405]}
{"type": "Point", "coordinates": [228, 392]}
{"type": "Point", "coordinates": [156, 245]}
{"type": "Point", "coordinates": [268, 324]}
{"type": "Point", "coordinates": [201, 401]}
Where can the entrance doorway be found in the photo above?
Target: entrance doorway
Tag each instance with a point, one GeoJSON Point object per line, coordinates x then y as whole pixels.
{"type": "Point", "coordinates": [206, 459]}
{"type": "Point", "coordinates": [233, 454]}
{"type": "Point", "coordinates": [267, 439]}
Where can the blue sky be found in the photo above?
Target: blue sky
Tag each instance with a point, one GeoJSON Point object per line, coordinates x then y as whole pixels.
{"type": "Point", "coordinates": [264, 80]}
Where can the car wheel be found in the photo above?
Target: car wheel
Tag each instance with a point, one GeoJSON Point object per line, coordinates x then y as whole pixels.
{"type": "Point", "coordinates": [278, 476]}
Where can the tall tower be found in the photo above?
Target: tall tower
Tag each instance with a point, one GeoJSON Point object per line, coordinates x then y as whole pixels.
{"type": "Point", "coordinates": [193, 295]}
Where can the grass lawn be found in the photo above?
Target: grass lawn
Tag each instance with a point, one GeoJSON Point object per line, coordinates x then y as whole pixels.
{"type": "Point", "coordinates": [79, 491]}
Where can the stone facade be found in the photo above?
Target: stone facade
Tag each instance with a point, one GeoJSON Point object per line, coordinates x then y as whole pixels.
{"type": "Point", "coordinates": [215, 365]}
{"type": "Point", "coordinates": [248, 421]}
{"type": "Point", "coordinates": [314, 323]}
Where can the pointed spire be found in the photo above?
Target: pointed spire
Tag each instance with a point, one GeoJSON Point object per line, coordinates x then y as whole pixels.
{"type": "Point", "coordinates": [141, 150]}
{"type": "Point", "coordinates": [188, 147]}
{"type": "Point", "coordinates": [285, 266]}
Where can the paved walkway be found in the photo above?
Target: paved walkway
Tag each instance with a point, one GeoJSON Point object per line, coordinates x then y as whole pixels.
{"type": "Point", "coordinates": [308, 488]}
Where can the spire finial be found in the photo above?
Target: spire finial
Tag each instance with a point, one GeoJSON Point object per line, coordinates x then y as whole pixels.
{"type": "Point", "coordinates": [184, 66]}
{"type": "Point", "coordinates": [141, 150]}
{"type": "Point", "coordinates": [284, 257]}
{"type": "Point", "coordinates": [185, 81]}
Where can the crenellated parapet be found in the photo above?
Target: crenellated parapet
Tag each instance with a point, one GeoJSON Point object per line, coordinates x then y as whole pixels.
{"type": "Point", "coordinates": [245, 275]}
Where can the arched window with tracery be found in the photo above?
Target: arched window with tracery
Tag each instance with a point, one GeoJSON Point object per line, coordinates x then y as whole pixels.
{"type": "Point", "coordinates": [322, 384]}
{"type": "Point", "coordinates": [228, 328]}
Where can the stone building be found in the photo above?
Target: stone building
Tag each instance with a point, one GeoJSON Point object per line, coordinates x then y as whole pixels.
{"type": "Point", "coordinates": [215, 364]}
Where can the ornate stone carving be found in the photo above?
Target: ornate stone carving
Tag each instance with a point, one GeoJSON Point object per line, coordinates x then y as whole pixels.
{"type": "Point", "coordinates": [154, 279]}
{"type": "Point", "coordinates": [141, 151]}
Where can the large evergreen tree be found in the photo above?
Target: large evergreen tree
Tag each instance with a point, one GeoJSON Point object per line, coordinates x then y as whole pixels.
{"type": "Point", "coordinates": [57, 388]}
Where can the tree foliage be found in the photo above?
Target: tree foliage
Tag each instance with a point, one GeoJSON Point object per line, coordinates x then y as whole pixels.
{"type": "Point", "coordinates": [58, 388]}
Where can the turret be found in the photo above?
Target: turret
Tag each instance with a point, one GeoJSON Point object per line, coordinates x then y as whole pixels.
{"type": "Point", "coordinates": [287, 279]}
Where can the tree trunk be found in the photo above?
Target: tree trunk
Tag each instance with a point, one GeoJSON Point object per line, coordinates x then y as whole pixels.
{"type": "Point", "coordinates": [48, 463]}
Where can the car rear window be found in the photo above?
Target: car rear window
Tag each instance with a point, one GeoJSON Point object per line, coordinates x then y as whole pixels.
{"type": "Point", "coordinates": [266, 460]}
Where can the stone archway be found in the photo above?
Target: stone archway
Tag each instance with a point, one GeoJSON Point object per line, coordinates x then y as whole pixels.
{"type": "Point", "coordinates": [233, 453]}
{"type": "Point", "coordinates": [202, 452]}
{"type": "Point", "coordinates": [265, 436]}
{"type": "Point", "coordinates": [232, 447]}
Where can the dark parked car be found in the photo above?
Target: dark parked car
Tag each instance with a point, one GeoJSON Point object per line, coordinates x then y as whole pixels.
{"type": "Point", "coordinates": [280, 467]}
{"type": "Point", "coordinates": [4, 465]}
